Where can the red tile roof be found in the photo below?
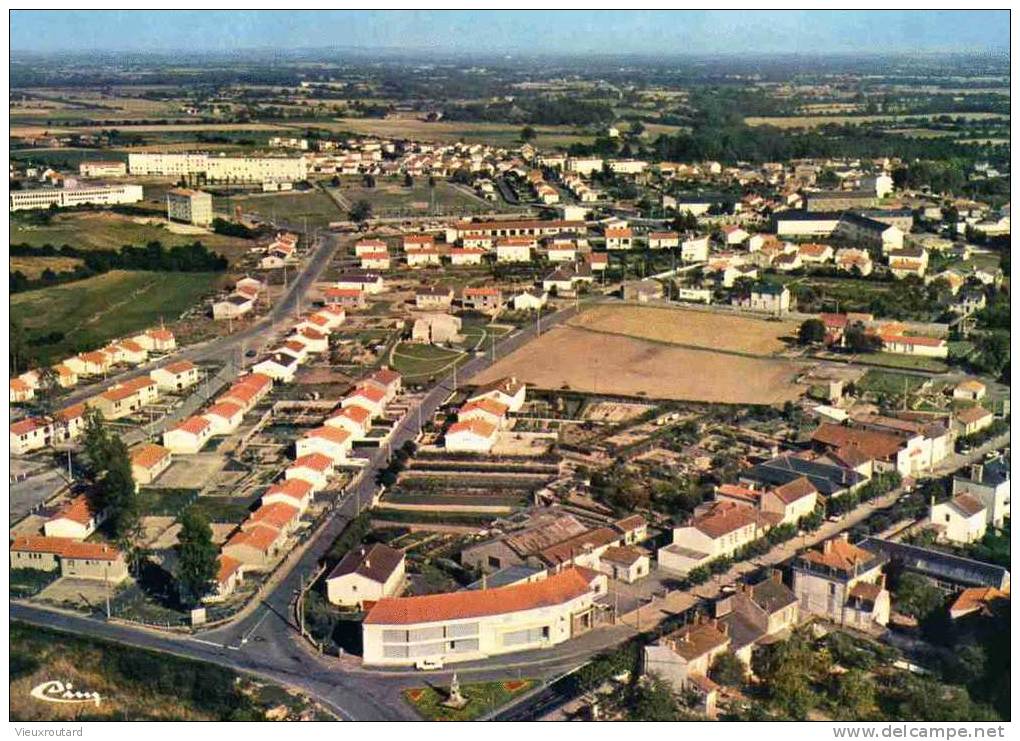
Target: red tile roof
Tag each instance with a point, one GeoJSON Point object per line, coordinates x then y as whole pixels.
{"type": "Point", "coordinates": [554, 590]}
{"type": "Point", "coordinates": [314, 461]}
{"type": "Point", "coordinates": [77, 510]}
{"type": "Point", "coordinates": [65, 548]}
{"type": "Point", "coordinates": [193, 425]}
{"type": "Point", "coordinates": [148, 455]}
{"type": "Point", "coordinates": [276, 515]}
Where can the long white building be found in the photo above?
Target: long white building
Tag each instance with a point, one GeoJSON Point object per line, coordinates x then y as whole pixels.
{"type": "Point", "coordinates": [473, 624]}
{"type": "Point", "coordinates": [220, 169]}
{"type": "Point", "coordinates": [99, 195]}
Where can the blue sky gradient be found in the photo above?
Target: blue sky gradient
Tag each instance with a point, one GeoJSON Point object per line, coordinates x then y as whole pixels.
{"type": "Point", "coordinates": [652, 32]}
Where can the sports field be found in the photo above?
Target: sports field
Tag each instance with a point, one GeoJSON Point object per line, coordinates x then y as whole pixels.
{"type": "Point", "coordinates": [314, 205]}
{"type": "Point", "coordinates": [580, 360]}
{"type": "Point", "coordinates": [740, 334]}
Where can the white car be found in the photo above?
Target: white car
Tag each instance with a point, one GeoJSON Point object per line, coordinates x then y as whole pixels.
{"type": "Point", "coordinates": [428, 665]}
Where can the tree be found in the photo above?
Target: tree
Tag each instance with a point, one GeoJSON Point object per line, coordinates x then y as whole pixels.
{"type": "Point", "coordinates": [46, 392]}
{"type": "Point", "coordinates": [653, 701]}
{"type": "Point", "coordinates": [113, 489]}
{"type": "Point", "coordinates": [197, 562]}
{"type": "Point", "coordinates": [408, 180]}
{"type": "Point", "coordinates": [811, 332]}
{"type": "Point", "coordinates": [917, 597]}
{"type": "Point", "coordinates": [853, 695]}
{"type": "Point", "coordinates": [528, 134]}
{"type": "Point", "coordinates": [727, 670]}
{"type": "Point", "coordinates": [360, 211]}
{"type": "Point", "coordinates": [859, 340]}
{"type": "Point", "coordinates": [17, 348]}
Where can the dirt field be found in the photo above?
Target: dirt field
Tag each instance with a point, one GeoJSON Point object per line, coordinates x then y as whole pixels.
{"type": "Point", "coordinates": [611, 364]}
{"type": "Point", "coordinates": [614, 411]}
{"type": "Point", "coordinates": [33, 267]}
{"type": "Point", "coordinates": [692, 328]}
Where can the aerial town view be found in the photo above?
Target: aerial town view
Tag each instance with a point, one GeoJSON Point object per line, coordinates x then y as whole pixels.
{"type": "Point", "coordinates": [510, 366]}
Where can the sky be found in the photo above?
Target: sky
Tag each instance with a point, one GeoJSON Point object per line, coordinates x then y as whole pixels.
{"type": "Point", "coordinates": [650, 32]}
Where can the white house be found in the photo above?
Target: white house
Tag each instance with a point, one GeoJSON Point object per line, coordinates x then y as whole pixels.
{"type": "Point", "coordinates": [330, 441]}
{"type": "Point", "coordinates": [188, 437]}
{"type": "Point", "coordinates": [366, 574]}
{"type": "Point", "coordinates": [962, 519]}
{"type": "Point", "coordinates": [176, 376]}
{"type": "Point", "coordinates": [473, 436]}
{"type": "Point", "coordinates": [224, 417]}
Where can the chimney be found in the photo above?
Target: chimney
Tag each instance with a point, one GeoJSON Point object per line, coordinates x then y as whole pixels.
{"type": "Point", "coordinates": [977, 472]}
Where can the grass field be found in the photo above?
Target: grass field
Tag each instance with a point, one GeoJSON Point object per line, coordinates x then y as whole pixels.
{"type": "Point", "coordinates": [576, 359]}
{"type": "Point", "coordinates": [313, 205]}
{"type": "Point", "coordinates": [907, 362]}
{"type": "Point", "coordinates": [103, 230]}
{"type": "Point", "coordinates": [86, 313]}
{"type": "Point", "coordinates": [482, 697]}
{"type": "Point", "coordinates": [65, 157]}
{"type": "Point", "coordinates": [889, 382]}
{"type": "Point", "coordinates": [134, 684]}
{"type": "Point", "coordinates": [806, 122]}
{"type": "Point", "coordinates": [690, 328]}
{"type": "Point", "coordinates": [418, 362]}
{"type": "Point", "coordinates": [499, 134]}
{"type": "Point", "coordinates": [33, 267]}
{"type": "Point", "coordinates": [393, 197]}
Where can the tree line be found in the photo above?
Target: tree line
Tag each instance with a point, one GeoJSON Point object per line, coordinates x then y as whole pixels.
{"type": "Point", "coordinates": [187, 258]}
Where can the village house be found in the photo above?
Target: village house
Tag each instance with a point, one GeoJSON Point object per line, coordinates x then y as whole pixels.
{"type": "Point", "coordinates": [344, 298]}
{"type": "Point", "coordinates": [125, 398]}
{"type": "Point", "coordinates": [386, 380]}
{"type": "Point", "coordinates": [694, 249]}
{"type": "Point", "coordinates": [176, 376]}
{"type": "Point", "coordinates": [466, 255]}
{"type": "Point", "coordinates": [684, 657]}
{"type": "Point", "coordinates": [76, 520]}
{"type": "Point", "coordinates": [188, 437]}
{"type": "Point", "coordinates": [248, 391]}
{"type": "Point", "coordinates": [356, 280]}
{"type": "Point", "coordinates": [843, 583]}
{"type": "Point", "coordinates": [224, 417]}
{"type": "Point", "coordinates": [293, 492]}
{"type": "Point", "coordinates": [507, 391]}
{"type": "Point", "coordinates": [148, 461]}
{"type": "Point", "coordinates": [902, 344]}
{"type": "Point", "coordinates": [594, 261]}
{"type": "Point", "coordinates": [75, 559]}
{"type": "Point", "coordinates": [720, 531]}
{"type": "Point", "coordinates": [970, 390]}
{"type": "Point", "coordinates": [21, 391]}
{"type": "Point", "coordinates": [483, 298]}
{"type": "Point", "coordinates": [988, 482]}
{"type": "Point", "coordinates": [561, 251]}
{"type": "Point", "coordinates": [624, 563]}
{"type": "Point", "coordinates": [487, 410]}
{"type": "Point", "coordinates": [756, 613]}
{"type": "Point", "coordinates": [418, 242]}
{"type": "Point", "coordinates": [424, 257]}
{"type": "Point", "coordinates": [565, 278]}
{"type": "Point", "coordinates": [315, 469]}
{"type": "Point", "coordinates": [279, 366]}
{"type": "Point", "coordinates": [436, 329]}
{"type": "Point", "coordinates": [532, 299]}
{"type": "Point", "coordinates": [471, 436]}
{"type": "Point", "coordinates": [434, 297]}
{"type": "Point", "coordinates": [314, 341]}
{"type": "Point", "coordinates": [332, 442]}
{"type": "Point", "coordinates": [369, 247]}
{"type": "Point", "coordinates": [375, 261]}
{"type": "Point", "coordinates": [233, 306]}
{"type": "Point", "coordinates": [514, 249]}
{"type": "Point", "coordinates": [766, 298]}
{"type": "Point", "coordinates": [961, 519]}
{"type": "Point", "coordinates": [365, 574]}
{"type": "Point", "coordinates": [663, 240]}
{"type": "Point", "coordinates": [814, 254]}
{"type": "Point", "coordinates": [619, 238]}
{"type": "Point", "coordinates": [734, 235]}
{"type": "Point", "coordinates": [368, 397]}
{"type": "Point", "coordinates": [972, 420]}
{"type": "Point", "coordinates": [849, 260]}
{"type": "Point", "coordinates": [229, 576]}
{"type": "Point", "coordinates": [255, 547]}
{"type": "Point", "coordinates": [354, 418]}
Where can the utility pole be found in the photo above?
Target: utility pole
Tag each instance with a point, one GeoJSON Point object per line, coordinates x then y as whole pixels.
{"type": "Point", "coordinates": [70, 473]}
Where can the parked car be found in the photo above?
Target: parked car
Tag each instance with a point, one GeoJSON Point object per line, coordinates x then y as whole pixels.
{"type": "Point", "coordinates": [428, 665]}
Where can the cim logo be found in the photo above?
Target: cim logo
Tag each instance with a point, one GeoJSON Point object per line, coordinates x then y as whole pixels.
{"type": "Point", "coordinates": [60, 692]}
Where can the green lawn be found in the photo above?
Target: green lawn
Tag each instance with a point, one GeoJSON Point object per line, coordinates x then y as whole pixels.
{"type": "Point", "coordinates": [85, 314]}
{"type": "Point", "coordinates": [908, 362]}
{"type": "Point", "coordinates": [95, 230]}
{"type": "Point", "coordinates": [222, 509]}
{"type": "Point", "coordinates": [482, 698]}
{"type": "Point", "coordinates": [416, 362]}
{"type": "Point", "coordinates": [313, 205]}
{"type": "Point", "coordinates": [889, 382]}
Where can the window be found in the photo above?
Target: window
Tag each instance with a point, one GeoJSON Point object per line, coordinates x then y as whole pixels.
{"type": "Point", "coordinates": [493, 562]}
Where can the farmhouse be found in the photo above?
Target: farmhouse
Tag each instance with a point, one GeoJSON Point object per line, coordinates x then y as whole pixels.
{"type": "Point", "coordinates": [365, 574]}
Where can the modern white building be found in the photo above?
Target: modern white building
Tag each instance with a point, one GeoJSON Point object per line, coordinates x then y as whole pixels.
{"type": "Point", "coordinates": [97, 195]}
{"type": "Point", "coordinates": [474, 624]}
{"type": "Point", "coordinates": [190, 206]}
{"type": "Point", "coordinates": [220, 169]}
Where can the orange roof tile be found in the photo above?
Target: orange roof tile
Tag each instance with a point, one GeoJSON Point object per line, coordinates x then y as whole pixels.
{"type": "Point", "coordinates": [276, 515]}
{"type": "Point", "coordinates": [77, 510]}
{"type": "Point", "coordinates": [474, 426]}
{"type": "Point", "coordinates": [65, 548]}
{"type": "Point", "coordinates": [225, 409]}
{"type": "Point", "coordinates": [148, 455]}
{"type": "Point", "coordinates": [314, 461]}
{"type": "Point", "coordinates": [329, 433]}
{"type": "Point", "coordinates": [554, 590]}
{"type": "Point", "coordinates": [193, 425]}
{"type": "Point", "coordinates": [260, 537]}
{"type": "Point", "coordinates": [227, 567]}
